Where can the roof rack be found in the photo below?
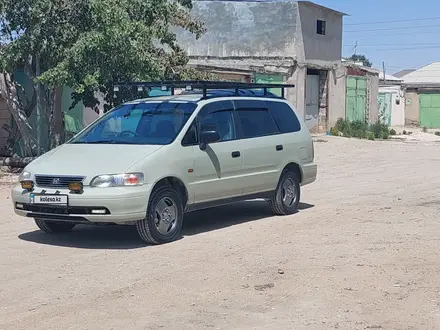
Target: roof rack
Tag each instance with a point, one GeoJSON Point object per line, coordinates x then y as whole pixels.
{"type": "Point", "coordinates": [205, 86]}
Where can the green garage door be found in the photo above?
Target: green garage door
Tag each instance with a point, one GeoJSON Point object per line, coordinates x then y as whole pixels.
{"type": "Point", "coordinates": [430, 110]}
{"type": "Point", "coordinates": [385, 104]}
{"type": "Point", "coordinates": [270, 79]}
{"type": "Point", "coordinates": [356, 98]}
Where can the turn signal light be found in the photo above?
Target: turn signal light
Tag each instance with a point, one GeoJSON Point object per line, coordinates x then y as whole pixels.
{"type": "Point", "coordinates": [75, 186]}
{"type": "Point", "coordinates": [131, 180]}
{"type": "Point", "coordinates": [28, 185]}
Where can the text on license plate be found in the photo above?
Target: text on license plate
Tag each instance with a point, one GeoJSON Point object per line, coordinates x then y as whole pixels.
{"type": "Point", "coordinates": [49, 199]}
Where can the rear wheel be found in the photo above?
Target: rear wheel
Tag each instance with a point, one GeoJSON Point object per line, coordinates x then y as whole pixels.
{"type": "Point", "coordinates": [53, 227]}
{"type": "Point", "coordinates": [164, 219]}
{"type": "Point", "coordinates": [286, 198]}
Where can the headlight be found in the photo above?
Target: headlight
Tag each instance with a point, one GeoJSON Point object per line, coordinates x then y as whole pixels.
{"type": "Point", "coordinates": [24, 176]}
{"type": "Point", "coordinates": [117, 180]}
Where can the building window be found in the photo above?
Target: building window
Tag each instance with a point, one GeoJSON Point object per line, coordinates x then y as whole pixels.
{"type": "Point", "coordinates": [320, 27]}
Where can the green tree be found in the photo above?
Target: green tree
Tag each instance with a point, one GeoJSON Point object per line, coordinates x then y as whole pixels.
{"type": "Point", "coordinates": [360, 58]}
{"type": "Point", "coordinates": [88, 45]}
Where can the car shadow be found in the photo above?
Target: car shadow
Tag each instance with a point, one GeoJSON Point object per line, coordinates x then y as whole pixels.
{"type": "Point", "coordinates": [229, 215]}
{"type": "Point", "coordinates": [90, 237]}
{"type": "Point", "coordinates": [126, 237]}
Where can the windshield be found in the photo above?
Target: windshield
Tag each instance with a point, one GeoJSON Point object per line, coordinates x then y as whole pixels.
{"type": "Point", "coordinates": [143, 123]}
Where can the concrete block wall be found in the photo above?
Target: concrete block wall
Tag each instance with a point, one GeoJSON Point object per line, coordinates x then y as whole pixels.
{"type": "Point", "coordinates": [336, 97]}
{"type": "Point", "coordinates": [296, 95]}
{"type": "Point", "coordinates": [242, 28]}
{"type": "Point", "coordinates": [373, 93]}
{"type": "Point", "coordinates": [323, 101]}
{"type": "Point", "coordinates": [412, 112]}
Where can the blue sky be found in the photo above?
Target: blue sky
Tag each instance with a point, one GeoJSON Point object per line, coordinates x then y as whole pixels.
{"type": "Point", "coordinates": [411, 41]}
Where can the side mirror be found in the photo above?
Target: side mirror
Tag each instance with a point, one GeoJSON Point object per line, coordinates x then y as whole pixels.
{"type": "Point", "coordinates": [207, 137]}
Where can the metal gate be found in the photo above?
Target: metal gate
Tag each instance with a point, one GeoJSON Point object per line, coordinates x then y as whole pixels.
{"type": "Point", "coordinates": [385, 105]}
{"type": "Point", "coordinates": [429, 110]}
{"type": "Point", "coordinates": [356, 98]}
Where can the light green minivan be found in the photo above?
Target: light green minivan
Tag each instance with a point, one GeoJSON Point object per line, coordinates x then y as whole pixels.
{"type": "Point", "coordinates": [147, 162]}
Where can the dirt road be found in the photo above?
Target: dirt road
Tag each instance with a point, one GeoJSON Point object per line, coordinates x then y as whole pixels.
{"type": "Point", "coordinates": [363, 253]}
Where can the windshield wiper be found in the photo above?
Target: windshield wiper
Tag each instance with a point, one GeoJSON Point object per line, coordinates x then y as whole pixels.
{"type": "Point", "coordinates": [96, 142]}
{"type": "Point", "coordinates": [104, 142]}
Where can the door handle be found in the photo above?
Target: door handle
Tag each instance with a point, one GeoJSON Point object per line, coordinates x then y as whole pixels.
{"type": "Point", "coordinates": [235, 154]}
{"type": "Point", "coordinates": [280, 147]}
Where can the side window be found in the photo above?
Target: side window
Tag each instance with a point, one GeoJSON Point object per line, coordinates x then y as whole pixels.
{"type": "Point", "coordinates": [284, 116]}
{"type": "Point", "coordinates": [218, 116]}
{"type": "Point", "coordinates": [190, 137]}
{"type": "Point", "coordinates": [255, 119]}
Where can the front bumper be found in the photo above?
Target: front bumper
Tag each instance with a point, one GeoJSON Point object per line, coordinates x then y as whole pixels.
{"type": "Point", "coordinates": [124, 204]}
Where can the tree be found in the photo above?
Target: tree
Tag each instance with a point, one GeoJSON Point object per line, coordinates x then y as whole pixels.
{"type": "Point", "coordinates": [88, 45]}
{"type": "Point", "coordinates": [360, 58]}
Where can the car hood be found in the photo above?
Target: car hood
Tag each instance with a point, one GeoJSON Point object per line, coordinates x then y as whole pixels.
{"type": "Point", "coordinates": [90, 160]}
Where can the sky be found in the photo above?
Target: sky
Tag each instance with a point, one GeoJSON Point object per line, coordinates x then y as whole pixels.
{"type": "Point", "coordinates": [402, 33]}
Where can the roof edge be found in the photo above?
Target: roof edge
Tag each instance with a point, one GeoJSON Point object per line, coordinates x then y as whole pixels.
{"type": "Point", "coordinates": [312, 4]}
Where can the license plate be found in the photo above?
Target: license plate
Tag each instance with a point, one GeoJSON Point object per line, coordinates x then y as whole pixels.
{"type": "Point", "coordinates": [45, 199]}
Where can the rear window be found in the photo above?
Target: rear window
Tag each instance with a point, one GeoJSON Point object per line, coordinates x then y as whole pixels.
{"type": "Point", "coordinates": [284, 116]}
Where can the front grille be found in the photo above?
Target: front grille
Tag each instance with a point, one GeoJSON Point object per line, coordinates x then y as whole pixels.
{"type": "Point", "coordinates": [53, 181]}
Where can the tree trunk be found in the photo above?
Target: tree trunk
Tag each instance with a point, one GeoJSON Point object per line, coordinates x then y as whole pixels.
{"type": "Point", "coordinates": [9, 92]}
{"type": "Point", "coordinates": [57, 126]}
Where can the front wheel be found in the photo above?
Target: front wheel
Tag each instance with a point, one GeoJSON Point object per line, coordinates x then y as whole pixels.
{"type": "Point", "coordinates": [164, 219]}
{"type": "Point", "coordinates": [286, 198]}
{"type": "Point", "coordinates": [53, 227]}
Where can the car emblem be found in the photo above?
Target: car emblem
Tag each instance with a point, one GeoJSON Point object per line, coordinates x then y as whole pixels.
{"type": "Point", "coordinates": [56, 181]}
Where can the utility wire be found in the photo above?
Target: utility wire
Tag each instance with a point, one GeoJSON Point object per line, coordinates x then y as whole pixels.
{"type": "Point", "coordinates": [387, 45]}
{"type": "Point", "coordinates": [395, 21]}
{"type": "Point", "coordinates": [407, 48]}
{"type": "Point", "coordinates": [396, 28]}
{"type": "Point", "coordinates": [409, 33]}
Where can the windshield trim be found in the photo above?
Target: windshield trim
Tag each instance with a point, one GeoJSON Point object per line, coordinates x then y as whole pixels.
{"type": "Point", "coordinates": [133, 106]}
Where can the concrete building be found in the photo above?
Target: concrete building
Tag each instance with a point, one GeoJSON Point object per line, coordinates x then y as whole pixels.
{"type": "Point", "coordinates": [422, 96]}
{"type": "Point", "coordinates": [288, 41]}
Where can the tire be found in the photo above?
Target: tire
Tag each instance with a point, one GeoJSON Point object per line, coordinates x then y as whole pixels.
{"type": "Point", "coordinates": [282, 204]}
{"type": "Point", "coordinates": [164, 219]}
{"type": "Point", "coordinates": [53, 227]}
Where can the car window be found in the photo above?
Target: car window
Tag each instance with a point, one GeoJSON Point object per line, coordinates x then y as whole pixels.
{"type": "Point", "coordinates": [190, 137]}
{"type": "Point", "coordinates": [143, 123]}
{"type": "Point", "coordinates": [116, 125]}
{"type": "Point", "coordinates": [255, 119]}
{"type": "Point", "coordinates": [218, 116]}
{"type": "Point", "coordinates": [284, 116]}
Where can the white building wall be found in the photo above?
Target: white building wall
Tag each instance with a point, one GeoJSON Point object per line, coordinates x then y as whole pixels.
{"type": "Point", "coordinates": [397, 104]}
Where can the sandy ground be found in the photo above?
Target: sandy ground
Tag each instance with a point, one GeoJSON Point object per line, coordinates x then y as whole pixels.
{"type": "Point", "coordinates": [363, 253]}
{"type": "Point", "coordinates": [416, 134]}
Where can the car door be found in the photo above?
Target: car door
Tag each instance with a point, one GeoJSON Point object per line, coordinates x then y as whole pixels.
{"type": "Point", "coordinates": [218, 169]}
{"type": "Point", "coordinates": [261, 145]}
{"type": "Point", "coordinates": [296, 141]}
